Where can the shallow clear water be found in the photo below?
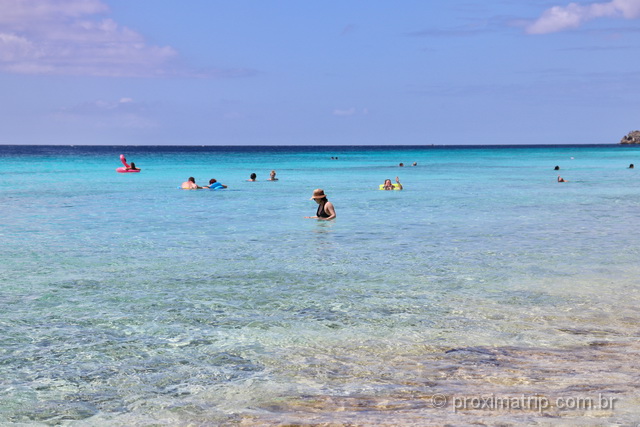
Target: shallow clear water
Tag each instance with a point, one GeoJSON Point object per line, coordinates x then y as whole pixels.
{"type": "Point", "coordinates": [126, 301]}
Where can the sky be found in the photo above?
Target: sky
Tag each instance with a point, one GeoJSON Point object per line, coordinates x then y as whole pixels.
{"type": "Point", "coordinates": [310, 72]}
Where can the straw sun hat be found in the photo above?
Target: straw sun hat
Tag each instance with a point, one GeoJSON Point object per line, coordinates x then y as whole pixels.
{"type": "Point", "coordinates": [318, 194]}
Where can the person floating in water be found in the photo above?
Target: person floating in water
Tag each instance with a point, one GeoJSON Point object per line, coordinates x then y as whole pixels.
{"type": "Point", "coordinates": [133, 167]}
{"type": "Point", "coordinates": [215, 185]}
{"type": "Point", "coordinates": [631, 166]}
{"type": "Point", "coordinates": [252, 177]}
{"type": "Point", "coordinates": [557, 168]}
{"type": "Point", "coordinates": [389, 186]}
{"type": "Point", "coordinates": [325, 211]}
{"type": "Point", "coordinates": [401, 165]}
{"type": "Point", "coordinates": [272, 176]}
{"type": "Point", "coordinates": [561, 179]}
{"type": "Point", "coordinates": [190, 184]}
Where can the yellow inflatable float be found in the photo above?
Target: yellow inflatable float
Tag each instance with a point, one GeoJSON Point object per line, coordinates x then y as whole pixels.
{"type": "Point", "coordinates": [395, 187]}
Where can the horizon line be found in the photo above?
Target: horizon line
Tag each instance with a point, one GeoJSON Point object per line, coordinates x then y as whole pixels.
{"type": "Point", "coordinates": [323, 145]}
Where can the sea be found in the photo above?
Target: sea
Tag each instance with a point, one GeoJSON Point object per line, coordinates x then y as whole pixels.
{"type": "Point", "coordinates": [486, 292]}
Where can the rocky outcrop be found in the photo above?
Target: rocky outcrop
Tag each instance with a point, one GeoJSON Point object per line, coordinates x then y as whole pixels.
{"type": "Point", "coordinates": [631, 138]}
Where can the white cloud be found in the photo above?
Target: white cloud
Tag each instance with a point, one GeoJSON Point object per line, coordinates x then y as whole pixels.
{"type": "Point", "coordinates": [67, 37]}
{"type": "Point", "coordinates": [75, 37]}
{"type": "Point", "coordinates": [14, 48]}
{"type": "Point", "coordinates": [559, 18]}
{"type": "Point", "coordinates": [18, 14]}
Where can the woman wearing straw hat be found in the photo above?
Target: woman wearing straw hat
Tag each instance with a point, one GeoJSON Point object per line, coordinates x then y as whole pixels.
{"type": "Point", "coordinates": [326, 211]}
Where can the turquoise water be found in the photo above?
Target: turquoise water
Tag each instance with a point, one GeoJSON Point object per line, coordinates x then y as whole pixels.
{"type": "Point", "coordinates": [125, 301]}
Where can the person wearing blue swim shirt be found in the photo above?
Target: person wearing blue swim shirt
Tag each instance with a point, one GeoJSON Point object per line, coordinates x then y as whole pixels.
{"type": "Point", "coordinates": [215, 185]}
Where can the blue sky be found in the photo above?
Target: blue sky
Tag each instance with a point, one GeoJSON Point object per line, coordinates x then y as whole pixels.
{"type": "Point", "coordinates": [307, 72]}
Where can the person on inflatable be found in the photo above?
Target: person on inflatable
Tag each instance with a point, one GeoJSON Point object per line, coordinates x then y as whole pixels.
{"type": "Point", "coordinates": [389, 186]}
{"type": "Point", "coordinates": [190, 184]}
{"type": "Point", "coordinates": [126, 167]}
{"type": "Point", "coordinates": [215, 185]}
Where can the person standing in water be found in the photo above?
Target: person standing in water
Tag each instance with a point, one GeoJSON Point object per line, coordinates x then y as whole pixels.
{"type": "Point", "coordinates": [325, 211]}
{"type": "Point", "coordinates": [272, 176]}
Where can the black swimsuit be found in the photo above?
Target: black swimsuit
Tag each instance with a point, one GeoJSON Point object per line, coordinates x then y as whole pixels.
{"type": "Point", "coordinates": [321, 213]}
